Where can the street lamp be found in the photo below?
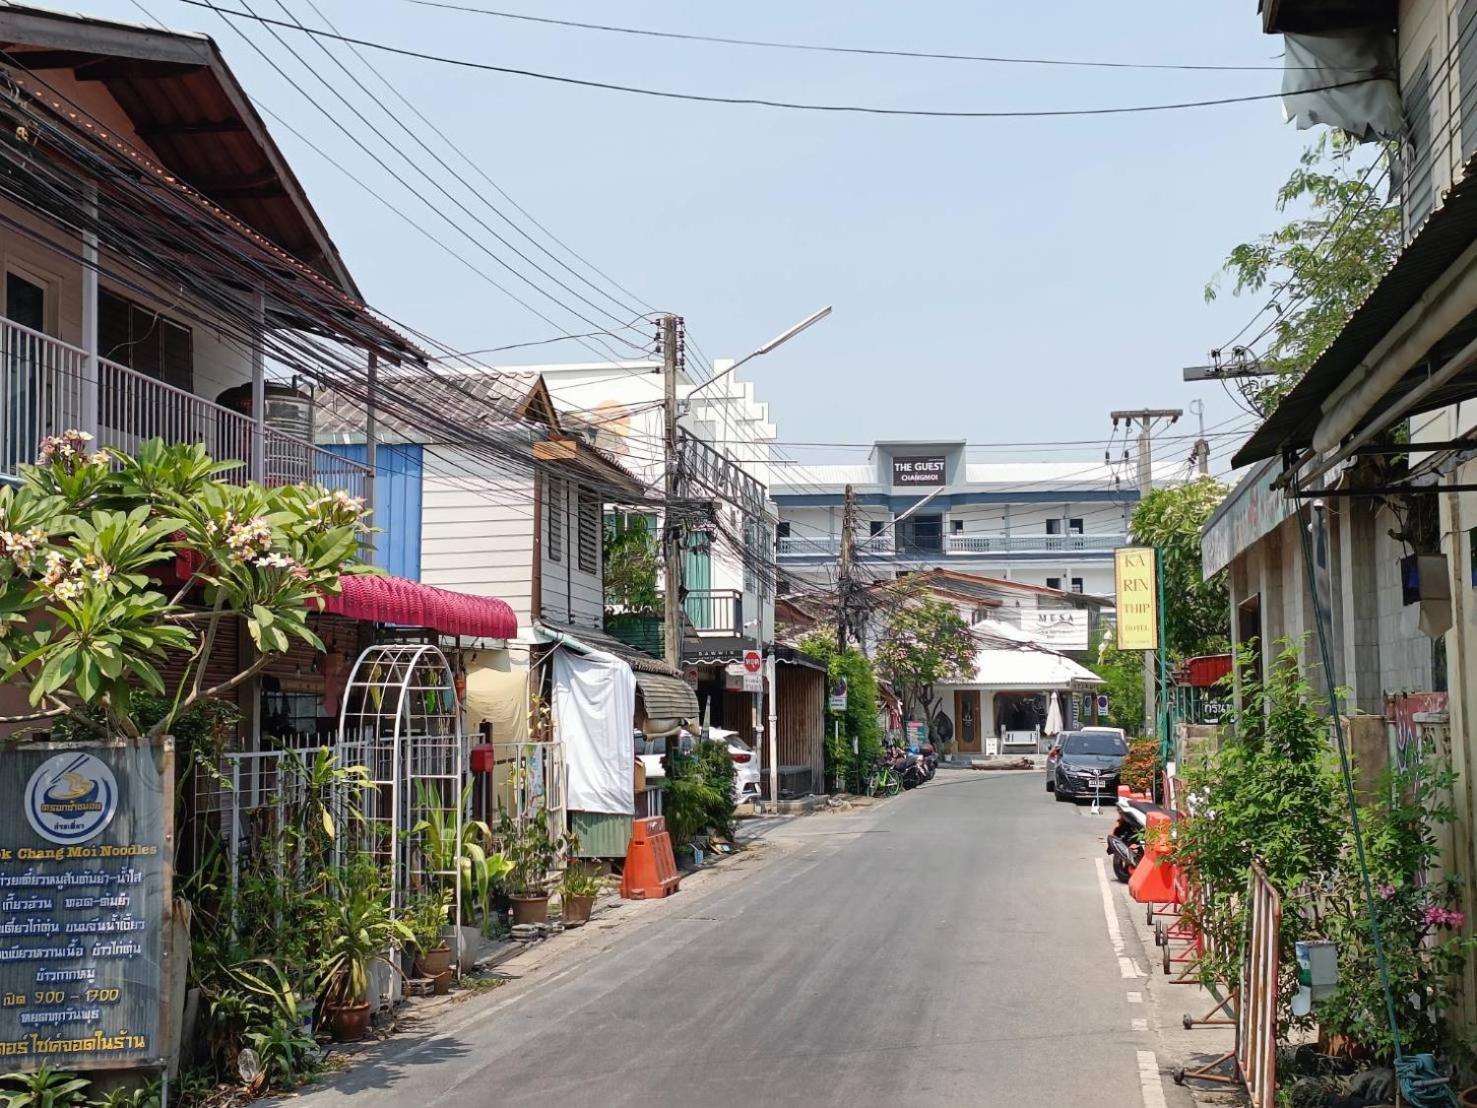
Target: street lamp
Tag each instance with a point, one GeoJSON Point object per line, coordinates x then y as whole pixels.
{"type": "Point", "coordinates": [779, 340]}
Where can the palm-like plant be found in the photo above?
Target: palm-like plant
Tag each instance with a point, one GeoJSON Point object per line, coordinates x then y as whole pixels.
{"type": "Point", "coordinates": [445, 853]}
{"type": "Point", "coordinates": [46, 1088]}
{"type": "Point", "coordinates": [360, 932]}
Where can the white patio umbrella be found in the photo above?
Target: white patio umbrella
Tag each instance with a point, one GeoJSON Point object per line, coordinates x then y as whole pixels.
{"type": "Point", "coordinates": [1054, 717]}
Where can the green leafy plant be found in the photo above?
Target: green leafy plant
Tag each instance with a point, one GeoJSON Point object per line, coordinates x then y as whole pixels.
{"type": "Point", "coordinates": [630, 563]}
{"type": "Point", "coordinates": [426, 917]}
{"type": "Point", "coordinates": [360, 931]}
{"type": "Point", "coordinates": [46, 1088]}
{"type": "Point", "coordinates": [531, 851]}
{"type": "Point", "coordinates": [700, 793]}
{"type": "Point", "coordinates": [444, 853]}
{"type": "Point", "coordinates": [287, 1052]}
{"type": "Point", "coordinates": [1272, 794]}
{"type": "Point", "coordinates": [83, 539]}
{"type": "Point", "coordinates": [1140, 766]}
{"type": "Point", "coordinates": [1321, 265]}
{"type": "Point", "coordinates": [923, 643]}
{"type": "Point", "coordinates": [1171, 518]}
{"type": "Point", "coordinates": [582, 880]}
{"type": "Point", "coordinates": [859, 721]}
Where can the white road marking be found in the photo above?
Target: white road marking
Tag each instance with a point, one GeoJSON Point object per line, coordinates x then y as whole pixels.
{"type": "Point", "coordinates": [1135, 998]}
{"type": "Point", "coordinates": [1138, 1025]}
{"type": "Point", "coordinates": [1126, 965]}
{"type": "Point", "coordinates": [1150, 1081]}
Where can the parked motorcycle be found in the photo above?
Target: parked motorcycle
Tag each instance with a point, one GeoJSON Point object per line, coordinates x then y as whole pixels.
{"type": "Point", "coordinates": [930, 761]}
{"type": "Point", "coordinates": [1126, 843]}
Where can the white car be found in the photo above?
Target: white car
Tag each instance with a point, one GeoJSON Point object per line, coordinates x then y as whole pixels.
{"type": "Point", "coordinates": [746, 776]}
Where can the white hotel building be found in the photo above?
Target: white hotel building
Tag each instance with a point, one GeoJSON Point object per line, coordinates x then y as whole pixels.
{"type": "Point", "coordinates": [1042, 523]}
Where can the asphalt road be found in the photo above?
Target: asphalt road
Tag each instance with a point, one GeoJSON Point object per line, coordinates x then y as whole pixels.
{"type": "Point", "coordinates": [947, 947]}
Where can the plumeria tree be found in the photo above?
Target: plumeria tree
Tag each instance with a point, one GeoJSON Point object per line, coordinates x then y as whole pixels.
{"type": "Point", "coordinates": [924, 643]}
{"type": "Point", "coordinates": [116, 568]}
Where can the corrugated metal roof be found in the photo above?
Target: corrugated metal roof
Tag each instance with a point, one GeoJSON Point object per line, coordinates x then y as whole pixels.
{"type": "Point", "coordinates": [1449, 231]}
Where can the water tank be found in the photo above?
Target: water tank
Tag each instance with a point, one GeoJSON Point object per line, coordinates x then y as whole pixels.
{"type": "Point", "coordinates": [289, 413]}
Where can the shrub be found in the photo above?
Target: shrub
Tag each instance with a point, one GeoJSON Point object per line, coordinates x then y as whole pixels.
{"type": "Point", "coordinates": [1141, 765]}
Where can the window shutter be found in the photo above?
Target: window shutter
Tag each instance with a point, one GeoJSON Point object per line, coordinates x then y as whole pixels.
{"type": "Point", "coordinates": [1417, 149]}
{"type": "Point", "coordinates": [556, 519]}
{"type": "Point", "coordinates": [1466, 53]}
{"type": "Point", "coordinates": [589, 531]}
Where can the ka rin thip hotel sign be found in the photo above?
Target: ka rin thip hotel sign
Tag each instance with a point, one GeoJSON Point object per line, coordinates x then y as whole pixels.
{"type": "Point", "coordinates": [1137, 597]}
{"type": "Point", "coordinates": [85, 845]}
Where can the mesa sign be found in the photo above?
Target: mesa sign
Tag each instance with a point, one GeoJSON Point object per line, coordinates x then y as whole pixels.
{"type": "Point", "coordinates": [918, 471]}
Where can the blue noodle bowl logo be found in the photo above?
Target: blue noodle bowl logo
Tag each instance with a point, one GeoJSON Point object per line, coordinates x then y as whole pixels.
{"type": "Point", "coordinates": [71, 798]}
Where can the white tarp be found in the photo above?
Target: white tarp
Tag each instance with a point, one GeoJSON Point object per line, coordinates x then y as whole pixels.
{"type": "Point", "coordinates": [1344, 80]}
{"type": "Point", "coordinates": [594, 709]}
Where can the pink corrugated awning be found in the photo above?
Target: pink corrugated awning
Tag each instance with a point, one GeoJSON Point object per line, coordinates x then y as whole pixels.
{"type": "Point", "coordinates": [397, 600]}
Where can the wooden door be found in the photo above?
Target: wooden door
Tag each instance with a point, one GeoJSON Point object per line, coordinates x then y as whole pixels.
{"type": "Point", "coordinates": [967, 720]}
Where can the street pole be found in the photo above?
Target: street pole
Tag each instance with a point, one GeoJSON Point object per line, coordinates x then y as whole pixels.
{"type": "Point", "coordinates": [671, 530]}
{"type": "Point", "coordinates": [772, 745]}
{"type": "Point", "coordinates": [843, 577]}
{"type": "Point", "coordinates": [1202, 444]}
{"type": "Point", "coordinates": [1163, 657]}
{"type": "Point", "coordinates": [1145, 418]}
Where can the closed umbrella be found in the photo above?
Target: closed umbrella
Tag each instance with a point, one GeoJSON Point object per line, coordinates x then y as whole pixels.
{"type": "Point", "coordinates": [1054, 717]}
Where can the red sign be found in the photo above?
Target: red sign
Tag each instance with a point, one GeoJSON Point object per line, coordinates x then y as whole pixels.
{"type": "Point", "coordinates": [753, 663]}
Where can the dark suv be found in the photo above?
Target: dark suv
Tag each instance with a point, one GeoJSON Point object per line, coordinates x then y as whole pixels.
{"type": "Point", "coordinates": [1089, 763]}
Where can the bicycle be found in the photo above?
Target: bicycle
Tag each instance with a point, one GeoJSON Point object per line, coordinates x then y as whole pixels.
{"type": "Point", "coordinates": [883, 781]}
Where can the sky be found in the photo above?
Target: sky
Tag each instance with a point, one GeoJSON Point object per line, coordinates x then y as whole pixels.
{"type": "Point", "coordinates": [995, 280]}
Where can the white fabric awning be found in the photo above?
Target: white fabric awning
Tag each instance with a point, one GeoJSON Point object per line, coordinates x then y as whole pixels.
{"type": "Point", "coordinates": [1032, 670]}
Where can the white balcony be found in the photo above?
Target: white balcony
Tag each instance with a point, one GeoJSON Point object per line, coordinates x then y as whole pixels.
{"type": "Point", "coordinates": [961, 545]}
{"type": "Point", "coordinates": [42, 383]}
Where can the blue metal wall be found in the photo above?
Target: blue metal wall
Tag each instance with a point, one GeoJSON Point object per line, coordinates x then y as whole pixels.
{"type": "Point", "coordinates": [398, 543]}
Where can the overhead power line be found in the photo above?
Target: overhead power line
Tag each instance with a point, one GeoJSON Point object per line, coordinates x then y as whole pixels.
{"type": "Point", "coordinates": [763, 102]}
{"type": "Point", "coordinates": [822, 48]}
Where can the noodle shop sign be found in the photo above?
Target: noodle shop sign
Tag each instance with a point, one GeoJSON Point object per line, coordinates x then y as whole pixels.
{"type": "Point", "coordinates": [86, 838]}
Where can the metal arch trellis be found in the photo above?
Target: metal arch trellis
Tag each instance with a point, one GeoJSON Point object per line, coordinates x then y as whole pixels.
{"type": "Point", "coordinates": [400, 719]}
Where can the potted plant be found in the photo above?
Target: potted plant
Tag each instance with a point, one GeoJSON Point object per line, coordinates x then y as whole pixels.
{"type": "Point", "coordinates": [426, 920]}
{"type": "Point", "coordinates": [577, 891]}
{"type": "Point", "coordinates": [531, 853]}
{"type": "Point", "coordinates": [360, 932]}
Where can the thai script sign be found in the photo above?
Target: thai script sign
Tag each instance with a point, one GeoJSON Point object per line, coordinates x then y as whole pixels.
{"type": "Point", "coordinates": [1137, 598]}
{"type": "Point", "coordinates": [85, 850]}
{"type": "Point", "coordinates": [927, 471]}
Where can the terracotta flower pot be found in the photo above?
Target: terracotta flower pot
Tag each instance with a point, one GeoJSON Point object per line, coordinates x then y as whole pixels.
{"type": "Point", "coordinates": [530, 909]}
{"type": "Point", "coordinates": [441, 983]}
{"type": "Point", "coordinates": [1468, 1098]}
{"type": "Point", "coordinates": [575, 909]}
{"type": "Point", "coordinates": [433, 963]}
{"type": "Point", "coordinates": [348, 1023]}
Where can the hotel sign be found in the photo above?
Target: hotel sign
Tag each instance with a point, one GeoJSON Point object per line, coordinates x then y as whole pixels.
{"type": "Point", "coordinates": [927, 472]}
{"type": "Point", "coordinates": [1138, 598]}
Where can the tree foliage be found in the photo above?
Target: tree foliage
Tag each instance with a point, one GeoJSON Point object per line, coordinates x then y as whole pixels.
{"type": "Point", "coordinates": [860, 719]}
{"type": "Point", "coordinates": [1320, 266]}
{"type": "Point", "coordinates": [1196, 611]}
{"type": "Point", "coordinates": [630, 564]}
{"type": "Point", "coordinates": [88, 542]}
{"type": "Point", "coordinates": [924, 642]}
{"type": "Point", "coordinates": [1122, 672]}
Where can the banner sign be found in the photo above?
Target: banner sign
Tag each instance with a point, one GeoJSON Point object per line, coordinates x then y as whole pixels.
{"type": "Point", "coordinates": [928, 472]}
{"type": "Point", "coordinates": [1058, 628]}
{"type": "Point", "coordinates": [1137, 598]}
{"type": "Point", "coordinates": [86, 844]}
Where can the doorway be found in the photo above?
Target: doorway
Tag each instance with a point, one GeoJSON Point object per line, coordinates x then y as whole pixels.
{"type": "Point", "coordinates": [967, 720]}
{"type": "Point", "coordinates": [23, 395]}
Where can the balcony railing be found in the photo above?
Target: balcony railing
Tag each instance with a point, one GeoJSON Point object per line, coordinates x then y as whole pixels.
{"type": "Point", "coordinates": [715, 611]}
{"type": "Point", "coordinates": [41, 393]}
{"type": "Point", "coordinates": [1032, 544]}
{"type": "Point", "coordinates": [829, 546]}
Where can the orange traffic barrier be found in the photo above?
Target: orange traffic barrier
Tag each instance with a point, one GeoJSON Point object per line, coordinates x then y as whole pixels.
{"type": "Point", "coordinates": [650, 871]}
{"type": "Point", "coordinates": [1155, 879]}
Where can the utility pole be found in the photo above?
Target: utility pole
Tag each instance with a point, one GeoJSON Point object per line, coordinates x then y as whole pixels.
{"type": "Point", "coordinates": [1202, 445]}
{"type": "Point", "coordinates": [1146, 418]}
{"type": "Point", "coordinates": [671, 529]}
{"type": "Point", "coordinates": [843, 578]}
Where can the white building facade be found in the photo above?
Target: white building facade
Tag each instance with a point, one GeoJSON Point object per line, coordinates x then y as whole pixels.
{"type": "Point", "coordinates": [729, 590]}
{"type": "Point", "coordinates": [923, 505]}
